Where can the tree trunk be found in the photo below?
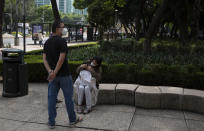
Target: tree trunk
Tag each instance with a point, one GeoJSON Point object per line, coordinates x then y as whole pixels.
{"type": "Point", "coordinates": [195, 21]}
{"type": "Point", "coordinates": [138, 28]}
{"type": "Point", "coordinates": [130, 29]}
{"type": "Point", "coordinates": [126, 30]}
{"type": "Point", "coordinates": [100, 28]}
{"type": "Point", "coordinates": [182, 20]}
{"type": "Point", "coordinates": [55, 10]}
{"type": "Point", "coordinates": [154, 26]}
{"type": "Point", "coordinates": [139, 15]}
{"type": "Point", "coordinates": [172, 30]}
{"type": "Point", "coordinates": [133, 28]}
{"type": "Point", "coordinates": [144, 27]}
{"type": "Point", "coordinates": [2, 3]}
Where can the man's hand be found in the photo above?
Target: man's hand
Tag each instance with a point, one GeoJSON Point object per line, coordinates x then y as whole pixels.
{"type": "Point", "coordinates": [51, 76]}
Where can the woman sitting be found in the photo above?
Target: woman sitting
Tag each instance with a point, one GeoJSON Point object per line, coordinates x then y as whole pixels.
{"type": "Point", "coordinates": [87, 84]}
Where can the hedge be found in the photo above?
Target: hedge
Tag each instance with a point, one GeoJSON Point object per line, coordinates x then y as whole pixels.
{"type": "Point", "coordinates": [187, 76]}
{"type": "Point", "coordinates": [71, 47]}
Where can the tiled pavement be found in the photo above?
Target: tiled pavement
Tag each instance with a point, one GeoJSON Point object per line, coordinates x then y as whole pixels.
{"type": "Point", "coordinates": [29, 113]}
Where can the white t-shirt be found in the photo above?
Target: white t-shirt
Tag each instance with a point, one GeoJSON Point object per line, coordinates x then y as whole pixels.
{"type": "Point", "coordinates": [85, 77]}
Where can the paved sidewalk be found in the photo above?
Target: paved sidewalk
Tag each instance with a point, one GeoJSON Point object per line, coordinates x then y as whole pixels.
{"type": "Point", "coordinates": [31, 47]}
{"type": "Point", "coordinates": [29, 113]}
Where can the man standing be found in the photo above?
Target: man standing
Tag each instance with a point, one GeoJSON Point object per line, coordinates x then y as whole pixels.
{"type": "Point", "coordinates": [56, 63]}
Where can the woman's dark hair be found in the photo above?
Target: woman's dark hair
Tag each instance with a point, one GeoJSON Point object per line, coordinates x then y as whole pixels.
{"type": "Point", "coordinates": [56, 25]}
{"type": "Point", "coordinates": [98, 60]}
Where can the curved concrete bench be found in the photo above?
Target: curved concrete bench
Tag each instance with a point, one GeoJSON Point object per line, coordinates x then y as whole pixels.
{"type": "Point", "coordinates": [171, 98]}
{"type": "Point", "coordinates": [106, 94]}
{"type": "Point", "coordinates": [154, 97]}
{"type": "Point", "coordinates": [125, 94]}
{"type": "Point", "coordinates": [193, 100]}
{"type": "Point", "coordinates": [148, 97]}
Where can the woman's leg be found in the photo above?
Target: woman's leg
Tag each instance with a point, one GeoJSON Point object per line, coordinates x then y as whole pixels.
{"type": "Point", "coordinates": [80, 95]}
{"type": "Point", "coordinates": [88, 97]}
{"type": "Point", "coordinates": [80, 98]}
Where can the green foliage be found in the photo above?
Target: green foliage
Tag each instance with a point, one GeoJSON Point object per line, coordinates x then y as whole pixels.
{"type": "Point", "coordinates": [129, 51]}
{"type": "Point", "coordinates": [80, 4]}
{"type": "Point", "coordinates": [41, 12]}
{"type": "Point", "coordinates": [125, 67]}
{"type": "Point", "coordinates": [14, 33]}
{"type": "Point", "coordinates": [71, 18]}
{"type": "Point", "coordinates": [10, 9]}
{"type": "Point", "coordinates": [40, 52]}
{"type": "Point", "coordinates": [45, 11]}
{"type": "Point", "coordinates": [124, 63]}
{"type": "Point", "coordinates": [100, 14]}
{"type": "Point", "coordinates": [188, 76]}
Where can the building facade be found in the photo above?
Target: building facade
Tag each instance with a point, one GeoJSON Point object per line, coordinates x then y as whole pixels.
{"type": "Point", "coordinates": [64, 6]}
{"type": "Point", "coordinates": [42, 2]}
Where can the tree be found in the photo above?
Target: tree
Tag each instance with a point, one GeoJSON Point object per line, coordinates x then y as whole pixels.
{"type": "Point", "coordinates": [71, 18]}
{"type": "Point", "coordinates": [154, 26]}
{"type": "Point", "coordinates": [80, 4]}
{"type": "Point", "coordinates": [196, 7]}
{"type": "Point", "coordinates": [42, 13]}
{"type": "Point", "coordinates": [55, 10]}
{"type": "Point", "coordinates": [146, 18]}
{"type": "Point", "coordinates": [14, 11]}
{"type": "Point", "coordinates": [101, 16]}
{"type": "Point", "coordinates": [2, 4]}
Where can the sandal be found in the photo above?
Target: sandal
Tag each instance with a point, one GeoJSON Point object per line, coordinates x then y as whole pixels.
{"type": "Point", "coordinates": [79, 110]}
{"type": "Point", "coordinates": [79, 119]}
{"type": "Point", "coordinates": [87, 110]}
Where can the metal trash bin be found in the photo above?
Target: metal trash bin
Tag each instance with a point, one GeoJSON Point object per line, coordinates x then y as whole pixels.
{"type": "Point", "coordinates": [15, 78]}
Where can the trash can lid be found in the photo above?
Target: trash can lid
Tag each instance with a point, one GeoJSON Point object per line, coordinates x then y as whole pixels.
{"type": "Point", "coordinates": [12, 50]}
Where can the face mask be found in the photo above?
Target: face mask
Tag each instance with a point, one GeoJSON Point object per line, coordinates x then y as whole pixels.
{"type": "Point", "coordinates": [64, 31]}
{"type": "Point", "coordinates": [92, 64]}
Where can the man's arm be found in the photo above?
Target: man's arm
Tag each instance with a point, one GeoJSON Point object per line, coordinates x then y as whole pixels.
{"type": "Point", "coordinates": [49, 70]}
{"type": "Point", "coordinates": [60, 62]}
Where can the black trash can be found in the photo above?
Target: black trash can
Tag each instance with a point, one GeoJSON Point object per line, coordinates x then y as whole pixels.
{"type": "Point", "coordinates": [15, 78]}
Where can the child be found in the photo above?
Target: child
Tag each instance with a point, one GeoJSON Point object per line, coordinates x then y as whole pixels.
{"type": "Point", "coordinates": [87, 83]}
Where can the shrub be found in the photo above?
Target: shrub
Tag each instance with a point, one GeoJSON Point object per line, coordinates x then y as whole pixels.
{"type": "Point", "coordinates": [153, 74]}
{"type": "Point", "coordinates": [198, 50]}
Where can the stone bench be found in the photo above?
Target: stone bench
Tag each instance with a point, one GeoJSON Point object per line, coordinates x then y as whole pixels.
{"type": "Point", "coordinates": [106, 94]}
{"type": "Point", "coordinates": [152, 97]}
{"type": "Point", "coordinates": [125, 94]}
{"type": "Point", "coordinates": [148, 97]}
{"type": "Point", "coordinates": [193, 100]}
{"type": "Point", "coordinates": [171, 98]}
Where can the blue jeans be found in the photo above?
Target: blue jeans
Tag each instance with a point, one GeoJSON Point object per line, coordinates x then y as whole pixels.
{"type": "Point", "coordinates": [65, 83]}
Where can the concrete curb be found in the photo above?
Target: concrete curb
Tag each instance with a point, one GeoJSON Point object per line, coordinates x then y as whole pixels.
{"type": "Point", "coordinates": [152, 97]}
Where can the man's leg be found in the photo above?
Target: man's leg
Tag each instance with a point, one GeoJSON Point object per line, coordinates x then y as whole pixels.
{"type": "Point", "coordinates": [66, 86]}
{"type": "Point", "coordinates": [53, 89]}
